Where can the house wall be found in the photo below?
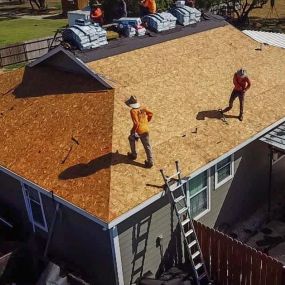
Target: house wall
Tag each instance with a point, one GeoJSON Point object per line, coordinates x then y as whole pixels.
{"type": "Point", "coordinates": [76, 241]}
{"type": "Point", "coordinates": [12, 205]}
{"type": "Point", "coordinates": [138, 238]}
{"type": "Point", "coordinates": [231, 202]}
{"type": "Point", "coordinates": [240, 196]}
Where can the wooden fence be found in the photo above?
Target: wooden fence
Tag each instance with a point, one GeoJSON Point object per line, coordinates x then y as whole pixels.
{"type": "Point", "coordinates": [231, 262]}
{"type": "Point", "coordinates": [26, 51]}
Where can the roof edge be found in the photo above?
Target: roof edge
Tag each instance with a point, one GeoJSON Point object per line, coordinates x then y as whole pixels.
{"type": "Point", "coordinates": [75, 60]}
{"type": "Point", "coordinates": [161, 194]}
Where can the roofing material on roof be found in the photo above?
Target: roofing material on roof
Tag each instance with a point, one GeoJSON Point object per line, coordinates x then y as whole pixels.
{"type": "Point", "coordinates": [273, 39]}
{"type": "Point", "coordinates": [97, 176]}
{"type": "Point", "coordinates": [276, 137]}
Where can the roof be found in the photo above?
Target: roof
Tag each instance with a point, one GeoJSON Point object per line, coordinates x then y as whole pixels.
{"type": "Point", "coordinates": [270, 38]}
{"type": "Point", "coordinates": [276, 137]}
{"type": "Point", "coordinates": [183, 81]}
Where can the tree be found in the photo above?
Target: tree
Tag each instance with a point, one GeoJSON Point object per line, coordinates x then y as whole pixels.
{"type": "Point", "coordinates": [41, 4]}
{"type": "Point", "coordinates": [245, 7]}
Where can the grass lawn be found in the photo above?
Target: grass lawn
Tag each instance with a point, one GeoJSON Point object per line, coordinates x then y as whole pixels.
{"type": "Point", "coordinates": [19, 30]}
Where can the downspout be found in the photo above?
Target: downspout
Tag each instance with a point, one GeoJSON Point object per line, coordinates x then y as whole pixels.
{"type": "Point", "coordinates": [116, 253]}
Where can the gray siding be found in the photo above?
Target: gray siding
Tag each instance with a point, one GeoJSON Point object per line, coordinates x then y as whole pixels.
{"type": "Point", "coordinates": [231, 202]}
{"type": "Point", "coordinates": [240, 197]}
{"type": "Point", "coordinates": [138, 235]}
{"type": "Point", "coordinates": [12, 205]}
{"type": "Point", "coordinates": [77, 241]}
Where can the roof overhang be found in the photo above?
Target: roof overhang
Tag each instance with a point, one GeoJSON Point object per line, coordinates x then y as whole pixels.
{"type": "Point", "coordinates": [276, 137]}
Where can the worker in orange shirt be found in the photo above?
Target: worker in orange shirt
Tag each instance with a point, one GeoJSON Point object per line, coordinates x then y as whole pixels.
{"type": "Point", "coordinates": [147, 7]}
{"type": "Point", "coordinates": [140, 130]}
{"type": "Point", "coordinates": [96, 13]}
{"type": "Point", "coordinates": [241, 85]}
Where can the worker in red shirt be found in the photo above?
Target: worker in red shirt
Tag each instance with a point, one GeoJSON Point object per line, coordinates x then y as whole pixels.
{"type": "Point", "coordinates": [241, 85]}
{"type": "Point", "coordinates": [140, 130]}
{"type": "Point", "coordinates": [147, 7]}
{"type": "Point", "coordinates": [96, 13]}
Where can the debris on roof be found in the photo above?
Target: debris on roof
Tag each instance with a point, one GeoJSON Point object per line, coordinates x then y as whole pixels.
{"type": "Point", "coordinates": [97, 175]}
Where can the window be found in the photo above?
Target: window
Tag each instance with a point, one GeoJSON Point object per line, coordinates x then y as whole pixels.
{"type": "Point", "coordinates": [224, 171]}
{"type": "Point", "coordinates": [34, 207]}
{"type": "Point", "coordinates": [277, 156]}
{"type": "Point", "coordinates": [198, 195]}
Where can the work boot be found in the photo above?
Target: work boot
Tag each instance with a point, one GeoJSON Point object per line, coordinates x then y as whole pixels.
{"type": "Point", "coordinates": [148, 164]}
{"type": "Point", "coordinates": [132, 156]}
{"type": "Point", "coordinates": [240, 117]}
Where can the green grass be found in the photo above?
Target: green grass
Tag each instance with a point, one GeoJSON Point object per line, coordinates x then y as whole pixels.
{"type": "Point", "coordinates": [19, 30]}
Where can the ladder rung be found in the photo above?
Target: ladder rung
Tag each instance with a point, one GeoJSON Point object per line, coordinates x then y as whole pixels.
{"type": "Point", "coordinates": [202, 276]}
{"type": "Point", "coordinates": [179, 199]}
{"type": "Point", "coordinates": [172, 176]}
{"type": "Point", "coordinates": [189, 233]}
{"type": "Point", "coordinates": [181, 211]}
{"type": "Point", "coordinates": [199, 265]}
{"type": "Point", "coordinates": [195, 254]}
{"type": "Point", "coordinates": [185, 222]}
{"type": "Point", "coordinates": [192, 243]}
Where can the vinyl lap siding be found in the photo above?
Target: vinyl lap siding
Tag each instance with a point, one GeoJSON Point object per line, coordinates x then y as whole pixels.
{"type": "Point", "coordinates": [140, 251]}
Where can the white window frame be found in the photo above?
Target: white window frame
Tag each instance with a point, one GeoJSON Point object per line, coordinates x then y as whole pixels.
{"type": "Point", "coordinates": [208, 194]}
{"type": "Point", "coordinates": [29, 208]}
{"type": "Point", "coordinates": [232, 170]}
{"type": "Point", "coordinates": [274, 161]}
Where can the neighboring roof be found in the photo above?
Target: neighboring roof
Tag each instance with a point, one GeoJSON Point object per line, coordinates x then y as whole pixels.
{"type": "Point", "coordinates": [276, 137]}
{"type": "Point", "coordinates": [183, 81]}
{"type": "Point", "coordinates": [273, 39]}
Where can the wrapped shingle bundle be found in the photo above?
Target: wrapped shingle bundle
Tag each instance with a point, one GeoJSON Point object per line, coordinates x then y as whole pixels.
{"type": "Point", "coordinates": [160, 22]}
{"type": "Point", "coordinates": [186, 15]}
{"type": "Point", "coordinates": [131, 26]}
{"type": "Point", "coordinates": [85, 36]}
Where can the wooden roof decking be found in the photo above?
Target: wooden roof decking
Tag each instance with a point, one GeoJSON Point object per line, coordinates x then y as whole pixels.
{"type": "Point", "coordinates": [181, 81]}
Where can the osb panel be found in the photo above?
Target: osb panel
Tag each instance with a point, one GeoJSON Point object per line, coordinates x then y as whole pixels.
{"type": "Point", "coordinates": [53, 114]}
{"type": "Point", "coordinates": [177, 80]}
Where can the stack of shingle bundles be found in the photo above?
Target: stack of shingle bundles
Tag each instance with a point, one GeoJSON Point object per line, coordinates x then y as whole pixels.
{"type": "Point", "coordinates": [186, 15]}
{"type": "Point", "coordinates": [170, 19]}
{"type": "Point", "coordinates": [160, 22]}
{"type": "Point", "coordinates": [85, 36]}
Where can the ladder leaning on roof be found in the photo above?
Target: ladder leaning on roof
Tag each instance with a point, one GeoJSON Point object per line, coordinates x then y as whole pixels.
{"type": "Point", "coordinates": [178, 199]}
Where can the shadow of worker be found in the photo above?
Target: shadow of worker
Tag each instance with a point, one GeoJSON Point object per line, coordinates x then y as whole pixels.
{"type": "Point", "coordinates": [102, 162]}
{"type": "Point", "coordinates": [212, 114]}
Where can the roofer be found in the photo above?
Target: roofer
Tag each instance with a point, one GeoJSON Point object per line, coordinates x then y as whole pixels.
{"type": "Point", "coordinates": [147, 7]}
{"type": "Point", "coordinates": [96, 13]}
{"type": "Point", "coordinates": [140, 117]}
{"type": "Point", "coordinates": [241, 85]}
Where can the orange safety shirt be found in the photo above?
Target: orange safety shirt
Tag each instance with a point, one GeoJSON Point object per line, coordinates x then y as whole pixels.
{"type": "Point", "coordinates": [140, 117]}
{"type": "Point", "coordinates": [150, 5]}
{"type": "Point", "coordinates": [241, 83]}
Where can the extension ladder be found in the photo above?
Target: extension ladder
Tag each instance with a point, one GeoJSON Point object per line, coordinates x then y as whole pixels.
{"type": "Point", "coordinates": [178, 199]}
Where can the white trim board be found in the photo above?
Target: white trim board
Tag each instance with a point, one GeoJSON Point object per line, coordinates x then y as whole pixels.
{"type": "Point", "coordinates": [116, 252]}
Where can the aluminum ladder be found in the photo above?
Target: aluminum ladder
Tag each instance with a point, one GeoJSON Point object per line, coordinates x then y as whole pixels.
{"type": "Point", "coordinates": [175, 188]}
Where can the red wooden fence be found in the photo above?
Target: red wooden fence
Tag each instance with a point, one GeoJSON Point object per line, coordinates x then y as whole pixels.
{"type": "Point", "coordinates": [231, 262]}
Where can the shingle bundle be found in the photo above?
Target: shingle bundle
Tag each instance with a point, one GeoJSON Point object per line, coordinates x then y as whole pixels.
{"type": "Point", "coordinates": [131, 26]}
{"type": "Point", "coordinates": [85, 36]}
{"type": "Point", "coordinates": [186, 15]}
{"type": "Point", "coordinates": [160, 22]}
